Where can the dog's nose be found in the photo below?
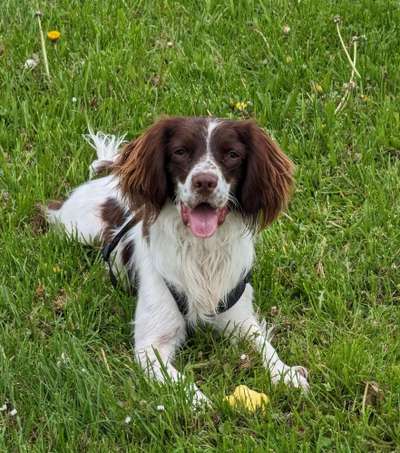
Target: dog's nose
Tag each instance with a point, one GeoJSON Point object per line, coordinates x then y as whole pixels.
{"type": "Point", "coordinates": [204, 182]}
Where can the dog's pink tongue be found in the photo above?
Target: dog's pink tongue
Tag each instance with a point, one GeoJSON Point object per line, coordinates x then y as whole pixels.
{"type": "Point", "coordinates": [203, 221]}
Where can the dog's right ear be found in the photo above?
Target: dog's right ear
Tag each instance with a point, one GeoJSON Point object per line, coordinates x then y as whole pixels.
{"type": "Point", "coordinates": [141, 170]}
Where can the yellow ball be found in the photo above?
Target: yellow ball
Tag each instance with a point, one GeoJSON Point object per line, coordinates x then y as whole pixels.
{"type": "Point", "coordinates": [247, 398]}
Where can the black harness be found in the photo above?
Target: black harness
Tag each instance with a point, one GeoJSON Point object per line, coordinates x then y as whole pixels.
{"type": "Point", "coordinates": [180, 298]}
{"type": "Point", "coordinates": [109, 248]}
{"type": "Point", "coordinates": [223, 305]}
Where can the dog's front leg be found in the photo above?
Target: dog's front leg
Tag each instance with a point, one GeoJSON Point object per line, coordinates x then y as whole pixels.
{"type": "Point", "coordinates": [159, 330]}
{"type": "Point", "coordinates": [241, 321]}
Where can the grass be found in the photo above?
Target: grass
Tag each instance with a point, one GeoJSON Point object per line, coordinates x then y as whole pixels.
{"type": "Point", "coordinates": [331, 266]}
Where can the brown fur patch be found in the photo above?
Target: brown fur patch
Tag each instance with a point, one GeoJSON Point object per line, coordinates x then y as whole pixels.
{"type": "Point", "coordinates": [127, 252]}
{"type": "Point", "coordinates": [104, 168]}
{"type": "Point", "coordinates": [266, 186]}
{"type": "Point", "coordinates": [113, 215]}
{"type": "Point", "coordinates": [38, 221]}
{"type": "Point", "coordinates": [55, 205]}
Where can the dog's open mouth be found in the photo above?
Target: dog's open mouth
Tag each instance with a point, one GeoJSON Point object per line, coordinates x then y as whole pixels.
{"type": "Point", "coordinates": [203, 220]}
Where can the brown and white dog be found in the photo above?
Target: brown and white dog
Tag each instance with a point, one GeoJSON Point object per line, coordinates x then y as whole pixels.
{"type": "Point", "coordinates": [200, 189]}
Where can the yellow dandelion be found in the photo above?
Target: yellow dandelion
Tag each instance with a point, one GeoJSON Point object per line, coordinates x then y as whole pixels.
{"type": "Point", "coordinates": [54, 35]}
{"type": "Point", "coordinates": [241, 106]}
{"type": "Point", "coordinates": [289, 59]}
{"type": "Point", "coordinates": [56, 269]}
{"type": "Point", "coordinates": [318, 88]}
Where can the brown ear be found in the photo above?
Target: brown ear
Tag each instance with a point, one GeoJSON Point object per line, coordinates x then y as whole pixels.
{"type": "Point", "coordinates": [268, 179]}
{"type": "Point", "coordinates": [141, 171]}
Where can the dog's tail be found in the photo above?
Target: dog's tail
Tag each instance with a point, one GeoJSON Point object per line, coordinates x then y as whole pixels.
{"type": "Point", "coordinates": [107, 148]}
{"type": "Point", "coordinates": [81, 213]}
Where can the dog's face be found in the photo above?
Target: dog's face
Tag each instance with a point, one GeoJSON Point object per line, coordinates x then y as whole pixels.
{"type": "Point", "coordinates": [207, 167]}
{"type": "Point", "coordinates": [206, 164]}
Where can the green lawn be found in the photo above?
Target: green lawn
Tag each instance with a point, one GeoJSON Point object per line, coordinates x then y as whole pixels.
{"type": "Point", "coordinates": [330, 266]}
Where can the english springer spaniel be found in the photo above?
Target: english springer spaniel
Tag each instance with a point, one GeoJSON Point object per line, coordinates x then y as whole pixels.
{"type": "Point", "coordinates": [179, 212]}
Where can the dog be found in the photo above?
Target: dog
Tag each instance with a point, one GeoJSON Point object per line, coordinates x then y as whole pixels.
{"type": "Point", "coordinates": [180, 208]}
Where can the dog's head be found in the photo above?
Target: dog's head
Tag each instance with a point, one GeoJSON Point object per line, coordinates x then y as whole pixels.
{"type": "Point", "coordinates": [207, 167]}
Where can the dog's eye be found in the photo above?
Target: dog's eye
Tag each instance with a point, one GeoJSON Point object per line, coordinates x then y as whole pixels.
{"type": "Point", "coordinates": [180, 151]}
{"type": "Point", "coordinates": [232, 154]}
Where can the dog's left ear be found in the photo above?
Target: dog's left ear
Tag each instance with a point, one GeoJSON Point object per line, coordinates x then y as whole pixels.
{"type": "Point", "coordinates": [268, 178]}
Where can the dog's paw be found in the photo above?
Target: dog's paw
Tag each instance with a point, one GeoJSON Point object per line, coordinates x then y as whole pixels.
{"type": "Point", "coordinates": [295, 376]}
{"type": "Point", "coordinates": [298, 377]}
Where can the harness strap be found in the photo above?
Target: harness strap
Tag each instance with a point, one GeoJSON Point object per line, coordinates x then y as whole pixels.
{"type": "Point", "coordinates": [224, 304]}
{"type": "Point", "coordinates": [180, 298]}
{"type": "Point", "coordinates": [109, 248]}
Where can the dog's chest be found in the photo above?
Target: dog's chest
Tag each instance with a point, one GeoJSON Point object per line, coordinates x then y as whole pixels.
{"type": "Point", "coordinates": [204, 270]}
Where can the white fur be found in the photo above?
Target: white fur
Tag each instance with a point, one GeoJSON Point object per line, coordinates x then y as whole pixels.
{"type": "Point", "coordinates": [106, 147]}
{"type": "Point", "coordinates": [211, 126]}
{"type": "Point", "coordinates": [204, 269]}
{"type": "Point", "coordinates": [221, 194]}
{"type": "Point", "coordinates": [80, 213]}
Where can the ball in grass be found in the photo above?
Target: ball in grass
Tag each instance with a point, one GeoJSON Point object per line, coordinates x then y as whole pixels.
{"type": "Point", "coordinates": [247, 398]}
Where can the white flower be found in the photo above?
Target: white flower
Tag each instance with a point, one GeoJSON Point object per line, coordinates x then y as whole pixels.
{"type": "Point", "coordinates": [274, 311]}
{"type": "Point", "coordinates": [128, 419]}
{"type": "Point", "coordinates": [244, 357]}
{"type": "Point", "coordinates": [13, 413]}
{"type": "Point", "coordinates": [74, 100]}
{"type": "Point", "coordinates": [161, 407]}
{"type": "Point", "coordinates": [32, 62]}
{"type": "Point", "coordinates": [63, 359]}
{"type": "Point", "coordinates": [3, 407]}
